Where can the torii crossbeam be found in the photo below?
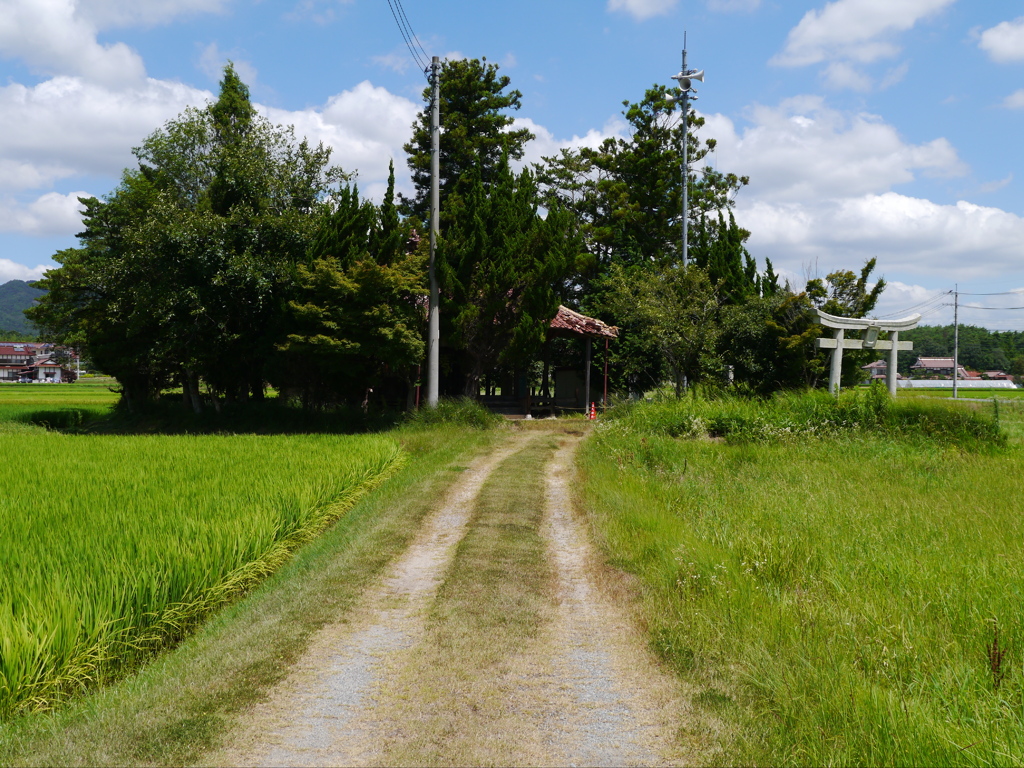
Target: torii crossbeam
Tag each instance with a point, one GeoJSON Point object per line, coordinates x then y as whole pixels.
{"type": "Point", "coordinates": [871, 328]}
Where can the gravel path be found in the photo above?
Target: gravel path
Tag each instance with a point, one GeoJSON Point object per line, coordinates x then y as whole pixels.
{"type": "Point", "coordinates": [313, 717]}
{"type": "Point", "coordinates": [608, 703]}
{"type": "Point", "coordinates": [585, 693]}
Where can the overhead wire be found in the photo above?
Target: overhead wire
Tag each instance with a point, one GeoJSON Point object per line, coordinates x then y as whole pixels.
{"type": "Point", "coordinates": [408, 25]}
{"type": "Point", "coordinates": [920, 305]}
{"type": "Point", "coordinates": [1014, 292]}
{"type": "Point", "coordinates": [408, 35]}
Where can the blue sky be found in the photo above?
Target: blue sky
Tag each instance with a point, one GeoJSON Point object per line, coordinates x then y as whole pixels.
{"type": "Point", "coordinates": [869, 128]}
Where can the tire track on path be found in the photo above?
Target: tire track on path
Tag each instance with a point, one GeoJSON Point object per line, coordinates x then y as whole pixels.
{"type": "Point", "coordinates": [607, 702]}
{"type": "Point", "coordinates": [583, 691]}
{"type": "Point", "coordinates": [314, 717]}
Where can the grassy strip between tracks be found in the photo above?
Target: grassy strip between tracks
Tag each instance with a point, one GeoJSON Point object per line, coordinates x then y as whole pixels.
{"type": "Point", "coordinates": [848, 595]}
{"type": "Point", "coordinates": [494, 600]}
{"type": "Point", "coordinates": [174, 709]}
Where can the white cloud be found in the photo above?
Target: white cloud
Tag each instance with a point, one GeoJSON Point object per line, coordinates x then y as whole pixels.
{"type": "Point", "coordinates": [10, 270]}
{"type": "Point", "coordinates": [642, 9]}
{"type": "Point", "coordinates": [396, 61]}
{"type": "Point", "coordinates": [67, 126]}
{"type": "Point", "coordinates": [365, 127]}
{"type": "Point", "coordinates": [908, 235]}
{"type": "Point", "coordinates": [51, 38]}
{"type": "Point", "coordinates": [1015, 100]}
{"type": "Point", "coordinates": [843, 75]}
{"type": "Point", "coordinates": [51, 214]}
{"type": "Point", "coordinates": [1004, 42]}
{"type": "Point", "coordinates": [802, 150]}
{"type": "Point", "coordinates": [857, 30]}
{"type": "Point", "coordinates": [546, 145]}
{"type": "Point", "coordinates": [894, 76]}
{"type": "Point", "coordinates": [320, 12]}
{"type": "Point", "coordinates": [123, 13]}
{"type": "Point", "coordinates": [994, 186]}
{"type": "Point", "coordinates": [212, 62]}
{"type": "Point", "coordinates": [822, 192]}
{"type": "Point", "coordinates": [58, 37]}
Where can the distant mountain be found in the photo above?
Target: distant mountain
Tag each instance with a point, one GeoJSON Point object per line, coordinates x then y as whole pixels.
{"type": "Point", "coordinates": [15, 297]}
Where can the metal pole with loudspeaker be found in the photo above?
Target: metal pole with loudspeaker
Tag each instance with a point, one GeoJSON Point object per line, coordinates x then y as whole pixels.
{"type": "Point", "coordinates": [685, 80]}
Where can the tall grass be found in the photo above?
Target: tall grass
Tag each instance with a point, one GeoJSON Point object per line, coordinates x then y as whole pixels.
{"type": "Point", "coordinates": [113, 546]}
{"type": "Point", "coordinates": [843, 589]}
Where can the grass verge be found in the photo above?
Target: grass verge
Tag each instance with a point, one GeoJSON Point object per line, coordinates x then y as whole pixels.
{"type": "Point", "coordinates": [494, 600]}
{"type": "Point", "coordinates": [176, 708]}
{"type": "Point", "coordinates": [845, 599]}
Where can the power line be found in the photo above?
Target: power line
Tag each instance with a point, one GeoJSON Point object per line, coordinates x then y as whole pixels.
{"type": "Point", "coordinates": [933, 310]}
{"type": "Point", "coordinates": [1016, 291]}
{"type": "Point", "coordinates": [401, 10]}
{"type": "Point", "coordinates": [925, 303]}
{"type": "Point", "coordinates": [408, 35]}
{"type": "Point", "coordinates": [971, 306]}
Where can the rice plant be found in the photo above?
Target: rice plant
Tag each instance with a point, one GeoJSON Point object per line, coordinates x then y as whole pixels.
{"type": "Point", "coordinates": [114, 546]}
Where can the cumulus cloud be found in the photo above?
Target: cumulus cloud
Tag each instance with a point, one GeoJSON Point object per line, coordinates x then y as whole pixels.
{"type": "Point", "coordinates": [854, 30]}
{"type": "Point", "coordinates": [68, 126]}
{"type": "Point", "coordinates": [10, 270]}
{"type": "Point", "coordinates": [50, 214]}
{"type": "Point", "coordinates": [107, 14]}
{"type": "Point", "coordinates": [51, 38]}
{"type": "Point", "coordinates": [823, 191]}
{"type": "Point", "coordinates": [1004, 42]}
{"type": "Point", "coordinates": [547, 145]}
{"type": "Point", "coordinates": [365, 127]}
{"type": "Point", "coordinates": [843, 75]}
{"type": "Point", "coordinates": [58, 37]}
{"type": "Point", "coordinates": [803, 150]}
{"type": "Point", "coordinates": [908, 235]}
{"type": "Point", "coordinates": [212, 62]}
{"type": "Point", "coordinates": [1015, 100]}
{"type": "Point", "coordinates": [642, 9]}
{"type": "Point", "coordinates": [397, 61]}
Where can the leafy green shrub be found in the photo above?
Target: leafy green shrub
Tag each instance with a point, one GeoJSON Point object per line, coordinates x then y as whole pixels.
{"type": "Point", "coordinates": [461, 411]}
{"type": "Point", "coordinates": [808, 414]}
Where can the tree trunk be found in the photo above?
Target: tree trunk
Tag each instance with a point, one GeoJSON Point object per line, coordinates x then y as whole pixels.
{"type": "Point", "coordinates": [192, 388]}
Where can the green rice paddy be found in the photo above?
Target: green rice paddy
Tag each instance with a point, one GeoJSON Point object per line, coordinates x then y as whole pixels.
{"type": "Point", "coordinates": [115, 545]}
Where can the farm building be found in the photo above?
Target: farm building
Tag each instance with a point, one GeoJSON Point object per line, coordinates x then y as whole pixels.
{"type": "Point", "coordinates": [31, 362]}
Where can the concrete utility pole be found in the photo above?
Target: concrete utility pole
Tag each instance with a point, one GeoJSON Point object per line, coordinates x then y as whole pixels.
{"type": "Point", "coordinates": [685, 78]}
{"type": "Point", "coordinates": [956, 336]}
{"type": "Point", "coordinates": [434, 313]}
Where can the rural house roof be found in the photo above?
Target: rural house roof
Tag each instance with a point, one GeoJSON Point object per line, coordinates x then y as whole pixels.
{"type": "Point", "coordinates": [934, 362]}
{"type": "Point", "coordinates": [569, 322]}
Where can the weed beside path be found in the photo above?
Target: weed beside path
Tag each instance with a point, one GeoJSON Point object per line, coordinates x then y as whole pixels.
{"type": "Point", "coordinates": [849, 597]}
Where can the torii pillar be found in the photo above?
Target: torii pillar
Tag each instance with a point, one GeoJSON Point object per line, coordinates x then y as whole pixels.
{"type": "Point", "coordinates": [871, 329]}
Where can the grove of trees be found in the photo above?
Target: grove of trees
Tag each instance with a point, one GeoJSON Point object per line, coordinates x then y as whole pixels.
{"type": "Point", "coordinates": [235, 256]}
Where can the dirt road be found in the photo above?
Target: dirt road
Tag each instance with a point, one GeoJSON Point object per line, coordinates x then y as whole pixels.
{"type": "Point", "coordinates": [582, 690]}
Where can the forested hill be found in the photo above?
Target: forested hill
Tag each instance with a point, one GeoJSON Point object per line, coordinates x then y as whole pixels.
{"type": "Point", "coordinates": [15, 297]}
{"type": "Point", "coordinates": [980, 348]}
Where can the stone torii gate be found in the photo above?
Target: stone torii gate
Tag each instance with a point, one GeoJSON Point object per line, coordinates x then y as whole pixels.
{"type": "Point", "coordinates": [871, 328]}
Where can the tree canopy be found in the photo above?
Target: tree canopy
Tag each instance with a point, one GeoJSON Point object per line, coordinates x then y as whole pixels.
{"type": "Point", "coordinates": [234, 255]}
{"type": "Point", "coordinates": [477, 131]}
